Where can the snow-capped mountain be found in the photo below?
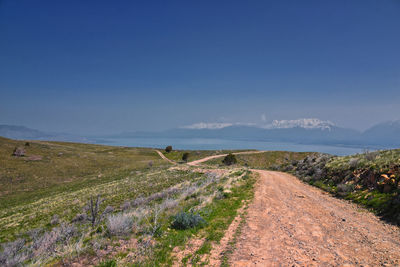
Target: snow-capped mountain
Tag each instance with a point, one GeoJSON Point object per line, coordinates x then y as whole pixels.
{"type": "Point", "coordinates": [305, 131]}
{"type": "Point", "coordinates": [205, 125]}
{"type": "Point", "coordinates": [310, 123]}
{"type": "Point", "coordinates": [308, 131]}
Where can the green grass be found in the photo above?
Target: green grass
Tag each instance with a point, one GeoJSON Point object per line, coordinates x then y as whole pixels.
{"type": "Point", "coordinates": [324, 186]}
{"type": "Point", "coordinates": [232, 243]}
{"type": "Point", "coordinates": [378, 160]}
{"type": "Point", "coordinates": [218, 215]}
{"type": "Point", "coordinates": [374, 200]}
{"type": "Point", "coordinates": [264, 160]}
{"type": "Point", "coordinates": [62, 182]}
{"type": "Point", "coordinates": [64, 167]}
{"type": "Point", "coordinates": [22, 218]}
{"type": "Point", "coordinates": [176, 155]}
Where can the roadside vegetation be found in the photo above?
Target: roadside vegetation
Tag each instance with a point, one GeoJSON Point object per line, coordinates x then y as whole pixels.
{"type": "Point", "coordinates": [371, 179]}
{"type": "Point", "coordinates": [265, 160]}
{"type": "Point", "coordinates": [177, 155]}
{"type": "Point", "coordinates": [110, 206]}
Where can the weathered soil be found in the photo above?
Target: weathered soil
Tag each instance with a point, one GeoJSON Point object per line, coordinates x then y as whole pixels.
{"type": "Point", "coordinates": [290, 223]}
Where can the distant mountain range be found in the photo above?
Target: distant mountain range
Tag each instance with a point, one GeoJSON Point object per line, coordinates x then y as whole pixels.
{"type": "Point", "coordinates": [24, 133]}
{"type": "Point", "coordinates": [303, 131]}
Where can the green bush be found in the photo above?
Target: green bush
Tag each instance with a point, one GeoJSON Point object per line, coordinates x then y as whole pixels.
{"type": "Point", "coordinates": [185, 156]}
{"type": "Point", "coordinates": [230, 159]}
{"type": "Point", "coordinates": [186, 220]}
{"type": "Point", "coordinates": [168, 149]}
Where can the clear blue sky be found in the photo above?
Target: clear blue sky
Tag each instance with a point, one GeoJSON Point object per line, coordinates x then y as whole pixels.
{"type": "Point", "coordinates": [111, 66]}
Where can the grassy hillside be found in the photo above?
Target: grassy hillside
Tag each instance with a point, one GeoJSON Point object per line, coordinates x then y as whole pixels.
{"type": "Point", "coordinates": [371, 178]}
{"type": "Point", "coordinates": [265, 160]}
{"type": "Point", "coordinates": [49, 212]}
{"type": "Point", "coordinates": [176, 155]}
{"type": "Point", "coordinates": [51, 167]}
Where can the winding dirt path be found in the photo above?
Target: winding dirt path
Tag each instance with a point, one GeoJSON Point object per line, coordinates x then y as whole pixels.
{"type": "Point", "coordinates": [290, 223]}
{"type": "Point", "coordinates": [164, 157]}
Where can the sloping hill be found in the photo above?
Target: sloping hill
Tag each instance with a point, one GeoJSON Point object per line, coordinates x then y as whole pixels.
{"type": "Point", "coordinates": [387, 133]}
{"type": "Point", "coordinates": [50, 167]}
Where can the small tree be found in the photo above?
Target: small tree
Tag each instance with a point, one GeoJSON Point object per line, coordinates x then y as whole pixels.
{"type": "Point", "coordinates": [185, 156]}
{"type": "Point", "coordinates": [229, 159]}
{"type": "Point", "coordinates": [168, 149]}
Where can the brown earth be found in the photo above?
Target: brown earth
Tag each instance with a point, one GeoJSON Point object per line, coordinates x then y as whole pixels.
{"type": "Point", "coordinates": [290, 223]}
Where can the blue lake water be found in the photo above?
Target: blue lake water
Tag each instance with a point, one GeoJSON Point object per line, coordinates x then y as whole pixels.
{"type": "Point", "coordinates": [217, 144]}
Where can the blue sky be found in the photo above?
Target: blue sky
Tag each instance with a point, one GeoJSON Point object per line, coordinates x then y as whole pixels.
{"type": "Point", "coordinates": [111, 66]}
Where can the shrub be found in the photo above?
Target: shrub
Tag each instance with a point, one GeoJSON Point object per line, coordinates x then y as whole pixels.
{"type": "Point", "coordinates": [185, 156]}
{"type": "Point", "coordinates": [169, 203]}
{"type": "Point", "coordinates": [370, 156]}
{"type": "Point", "coordinates": [13, 253]}
{"type": "Point", "coordinates": [186, 220]}
{"type": "Point", "coordinates": [140, 201]}
{"type": "Point", "coordinates": [353, 163]}
{"type": "Point", "coordinates": [55, 220]}
{"type": "Point", "coordinates": [119, 224]}
{"type": "Point", "coordinates": [80, 217]}
{"type": "Point", "coordinates": [126, 205]}
{"type": "Point", "coordinates": [46, 244]}
{"type": "Point", "coordinates": [229, 159]}
{"type": "Point", "coordinates": [344, 188]}
{"type": "Point", "coordinates": [168, 149]}
{"type": "Point", "coordinates": [108, 209]}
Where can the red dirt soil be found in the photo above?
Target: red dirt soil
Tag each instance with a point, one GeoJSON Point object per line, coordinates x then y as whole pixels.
{"type": "Point", "coordinates": [290, 223]}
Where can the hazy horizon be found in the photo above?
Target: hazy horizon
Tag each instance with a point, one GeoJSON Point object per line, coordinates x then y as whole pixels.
{"type": "Point", "coordinates": [86, 68]}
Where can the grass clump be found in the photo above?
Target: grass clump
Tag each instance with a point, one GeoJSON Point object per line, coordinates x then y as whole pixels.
{"type": "Point", "coordinates": [119, 224]}
{"type": "Point", "coordinates": [187, 220]}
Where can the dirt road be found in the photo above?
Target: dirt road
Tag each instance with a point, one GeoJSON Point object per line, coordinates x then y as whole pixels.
{"type": "Point", "coordinates": [290, 223]}
{"type": "Point", "coordinates": [293, 224]}
{"type": "Point", "coordinates": [164, 157]}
